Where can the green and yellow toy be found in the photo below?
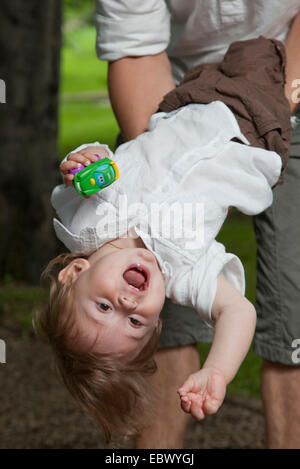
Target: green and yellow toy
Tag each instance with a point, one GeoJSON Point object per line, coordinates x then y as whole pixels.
{"type": "Point", "coordinates": [96, 176]}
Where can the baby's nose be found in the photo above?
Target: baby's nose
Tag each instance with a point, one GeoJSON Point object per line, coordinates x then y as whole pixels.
{"type": "Point", "coordinates": [128, 302]}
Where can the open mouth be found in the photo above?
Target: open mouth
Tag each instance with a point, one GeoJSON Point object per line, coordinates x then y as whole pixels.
{"type": "Point", "coordinates": [137, 276]}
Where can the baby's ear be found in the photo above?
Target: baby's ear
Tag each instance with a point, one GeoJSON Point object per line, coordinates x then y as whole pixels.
{"type": "Point", "coordinates": [71, 271]}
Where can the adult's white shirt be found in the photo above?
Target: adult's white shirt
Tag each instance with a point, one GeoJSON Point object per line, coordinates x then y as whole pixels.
{"type": "Point", "coordinates": [192, 31]}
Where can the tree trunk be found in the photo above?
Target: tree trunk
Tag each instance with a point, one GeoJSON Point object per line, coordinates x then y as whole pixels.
{"type": "Point", "coordinates": [30, 40]}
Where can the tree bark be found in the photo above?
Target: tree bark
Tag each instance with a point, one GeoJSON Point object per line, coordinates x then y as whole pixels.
{"type": "Point", "coordinates": [30, 40]}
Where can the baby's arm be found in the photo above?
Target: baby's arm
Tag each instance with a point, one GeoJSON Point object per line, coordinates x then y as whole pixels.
{"type": "Point", "coordinates": [235, 319]}
{"type": "Point", "coordinates": [83, 157]}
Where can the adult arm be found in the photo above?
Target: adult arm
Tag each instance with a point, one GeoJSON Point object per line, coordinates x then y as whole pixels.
{"type": "Point", "coordinates": [136, 87]}
{"type": "Point", "coordinates": [132, 37]}
{"type": "Point", "coordinates": [293, 64]}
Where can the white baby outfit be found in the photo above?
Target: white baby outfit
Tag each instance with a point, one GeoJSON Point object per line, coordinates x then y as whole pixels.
{"type": "Point", "coordinates": [186, 160]}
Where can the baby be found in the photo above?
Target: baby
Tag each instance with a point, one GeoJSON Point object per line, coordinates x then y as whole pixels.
{"type": "Point", "coordinates": [149, 235]}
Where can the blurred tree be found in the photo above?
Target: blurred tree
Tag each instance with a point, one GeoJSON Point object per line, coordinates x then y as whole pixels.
{"type": "Point", "coordinates": [30, 39]}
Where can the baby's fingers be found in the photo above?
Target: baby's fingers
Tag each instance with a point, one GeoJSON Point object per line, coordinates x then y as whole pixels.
{"type": "Point", "coordinates": [189, 385]}
{"type": "Point", "coordinates": [185, 404]}
{"type": "Point", "coordinates": [192, 403]}
{"type": "Point", "coordinates": [196, 408]}
{"type": "Point", "coordinates": [68, 179]}
{"type": "Point", "coordinates": [67, 165]}
{"type": "Point", "coordinates": [92, 157]}
{"type": "Point", "coordinates": [81, 158]}
{"type": "Point", "coordinates": [75, 160]}
{"type": "Point", "coordinates": [210, 406]}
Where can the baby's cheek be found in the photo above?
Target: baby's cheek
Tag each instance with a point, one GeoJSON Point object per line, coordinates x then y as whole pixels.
{"type": "Point", "coordinates": [157, 300]}
{"type": "Point", "coordinates": [162, 293]}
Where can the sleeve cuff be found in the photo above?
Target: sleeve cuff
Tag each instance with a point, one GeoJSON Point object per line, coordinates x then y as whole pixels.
{"type": "Point", "coordinates": [222, 263]}
{"type": "Point", "coordinates": [133, 35]}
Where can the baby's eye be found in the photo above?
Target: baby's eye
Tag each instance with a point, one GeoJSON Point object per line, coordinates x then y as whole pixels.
{"type": "Point", "coordinates": [135, 322]}
{"type": "Point", "coordinates": [103, 306]}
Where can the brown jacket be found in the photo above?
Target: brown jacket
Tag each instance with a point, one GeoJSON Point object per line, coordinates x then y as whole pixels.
{"type": "Point", "coordinates": [250, 81]}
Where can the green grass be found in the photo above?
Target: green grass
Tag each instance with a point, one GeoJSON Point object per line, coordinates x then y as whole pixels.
{"type": "Point", "coordinates": [80, 68]}
{"type": "Point", "coordinates": [237, 235]}
{"type": "Point", "coordinates": [85, 122]}
{"type": "Point", "coordinates": [17, 302]}
{"type": "Point", "coordinates": [78, 12]}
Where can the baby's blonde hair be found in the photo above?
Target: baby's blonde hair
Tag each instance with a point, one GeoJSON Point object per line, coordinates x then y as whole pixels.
{"type": "Point", "coordinates": [116, 394]}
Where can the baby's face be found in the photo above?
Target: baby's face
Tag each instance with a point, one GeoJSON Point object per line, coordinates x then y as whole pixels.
{"type": "Point", "coordinates": [118, 298]}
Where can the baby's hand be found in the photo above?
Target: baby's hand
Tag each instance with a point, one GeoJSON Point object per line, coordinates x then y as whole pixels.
{"type": "Point", "coordinates": [203, 392]}
{"type": "Point", "coordinates": [82, 157]}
